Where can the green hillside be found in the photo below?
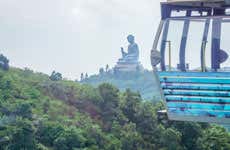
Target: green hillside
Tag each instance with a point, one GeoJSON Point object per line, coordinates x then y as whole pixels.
{"type": "Point", "coordinates": [142, 82]}
{"type": "Point", "coordinates": [39, 114]}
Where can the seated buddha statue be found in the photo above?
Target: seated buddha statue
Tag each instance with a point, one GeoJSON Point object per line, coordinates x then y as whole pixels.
{"type": "Point", "coordinates": [132, 54]}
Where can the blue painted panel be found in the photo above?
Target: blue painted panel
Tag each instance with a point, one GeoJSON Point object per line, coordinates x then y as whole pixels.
{"type": "Point", "coordinates": [202, 106]}
{"type": "Point", "coordinates": [201, 113]}
{"type": "Point", "coordinates": [220, 100]}
{"type": "Point", "coordinates": [197, 93]}
{"type": "Point", "coordinates": [197, 96]}
{"type": "Point", "coordinates": [208, 80]}
{"type": "Point", "coordinates": [195, 74]}
{"type": "Point", "coordinates": [191, 86]}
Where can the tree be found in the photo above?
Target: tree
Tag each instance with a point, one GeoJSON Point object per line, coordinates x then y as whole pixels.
{"type": "Point", "coordinates": [70, 139]}
{"type": "Point", "coordinates": [107, 68]}
{"type": "Point", "coordinates": [56, 76]}
{"type": "Point", "coordinates": [41, 147]}
{"type": "Point", "coordinates": [46, 106]}
{"type": "Point", "coordinates": [48, 132]}
{"type": "Point", "coordinates": [190, 133]}
{"type": "Point", "coordinates": [110, 102]}
{"type": "Point", "coordinates": [146, 121]}
{"type": "Point", "coordinates": [24, 110]}
{"type": "Point", "coordinates": [130, 138]}
{"type": "Point", "coordinates": [82, 77]}
{"type": "Point", "coordinates": [170, 139]}
{"type": "Point", "coordinates": [214, 138]}
{"type": "Point", "coordinates": [131, 105]}
{"type": "Point", "coordinates": [101, 71]}
{"type": "Point", "coordinates": [86, 76]}
{"type": "Point", "coordinates": [6, 87]}
{"type": "Point", "coordinates": [22, 135]}
{"type": "Point", "coordinates": [4, 62]}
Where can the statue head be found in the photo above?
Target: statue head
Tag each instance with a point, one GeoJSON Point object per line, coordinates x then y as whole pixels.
{"type": "Point", "coordinates": [130, 38]}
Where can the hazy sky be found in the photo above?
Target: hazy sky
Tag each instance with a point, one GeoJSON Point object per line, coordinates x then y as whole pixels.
{"type": "Point", "coordinates": [74, 36]}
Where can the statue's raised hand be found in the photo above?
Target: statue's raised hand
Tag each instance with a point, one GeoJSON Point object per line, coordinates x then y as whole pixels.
{"type": "Point", "coordinates": [122, 49]}
{"type": "Point", "coordinates": [123, 52]}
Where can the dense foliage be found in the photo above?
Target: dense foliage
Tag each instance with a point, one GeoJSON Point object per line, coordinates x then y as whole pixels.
{"type": "Point", "coordinates": [37, 113]}
{"type": "Point", "coordinates": [55, 76]}
{"type": "Point", "coordinates": [4, 62]}
{"type": "Point", "coordinates": [142, 82]}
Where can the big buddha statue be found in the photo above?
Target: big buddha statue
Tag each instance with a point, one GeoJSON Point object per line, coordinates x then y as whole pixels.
{"type": "Point", "coordinates": [133, 50]}
{"type": "Point", "coordinates": [130, 59]}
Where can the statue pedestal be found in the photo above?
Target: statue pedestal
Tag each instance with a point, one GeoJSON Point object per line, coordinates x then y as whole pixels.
{"type": "Point", "coordinates": [126, 65]}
